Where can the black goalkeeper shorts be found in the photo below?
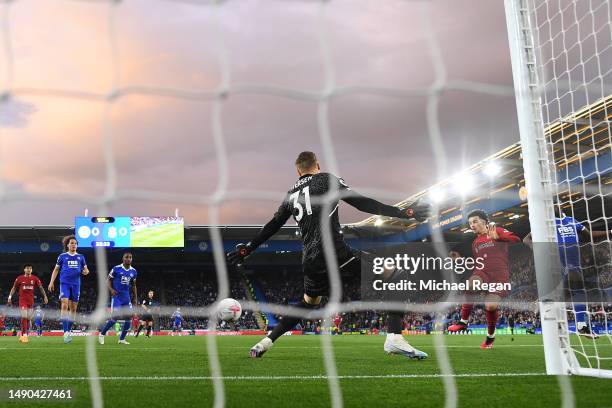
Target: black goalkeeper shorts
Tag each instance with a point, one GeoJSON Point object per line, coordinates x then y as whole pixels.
{"type": "Point", "coordinates": [147, 318]}
{"type": "Point", "coordinates": [316, 278]}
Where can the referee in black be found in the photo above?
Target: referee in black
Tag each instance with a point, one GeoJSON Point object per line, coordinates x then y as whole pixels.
{"type": "Point", "coordinates": [511, 324]}
{"type": "Point", "coordinates": [147, 317]}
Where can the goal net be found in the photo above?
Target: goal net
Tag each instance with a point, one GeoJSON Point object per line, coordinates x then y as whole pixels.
{"type": "Point", "coordinates": [561, 57]}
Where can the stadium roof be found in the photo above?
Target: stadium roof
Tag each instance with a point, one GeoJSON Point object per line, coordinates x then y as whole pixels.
{"type": "Point", "coordinates": [581, 147]}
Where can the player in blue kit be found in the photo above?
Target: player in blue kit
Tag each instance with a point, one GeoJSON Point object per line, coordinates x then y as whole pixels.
{"type": "Point", "coordinates": [121, 281]}
{"type": "Point", "coordinates": [569, 231]}
{"type": "Point", "coordinates": [177, 322]}
{"type": "Point", "coordinates": [38, 320]}
{"type": "Point", "coordinates": [70, 265]}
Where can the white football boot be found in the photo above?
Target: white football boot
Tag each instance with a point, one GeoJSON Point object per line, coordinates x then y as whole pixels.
{"type": "Point", "coordinates": [260, 348]}
{"type": "Point", "coordinates": [396, 344]}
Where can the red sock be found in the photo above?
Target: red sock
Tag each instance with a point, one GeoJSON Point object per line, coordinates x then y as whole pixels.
{"type": "Point", "coordinates": [24, 326]}
{"type": "Point", "coordinates": [492, 316]}
{"type": "Point", "coordinates": [466, 309]}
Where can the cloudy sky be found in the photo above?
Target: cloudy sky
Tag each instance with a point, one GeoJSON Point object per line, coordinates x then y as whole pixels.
{"type": "Point", "coordinates": [53, 145]}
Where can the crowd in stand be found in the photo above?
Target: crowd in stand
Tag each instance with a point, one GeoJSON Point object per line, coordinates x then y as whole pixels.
{"type": "Point", "coordinates": [191, 289]}
{"type": "Point", "coordinates": [288, 289]}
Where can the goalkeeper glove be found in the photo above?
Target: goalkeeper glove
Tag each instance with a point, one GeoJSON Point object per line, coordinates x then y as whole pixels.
{"type": "Point", "coordinates": [417, 210]}
{"type": "Point", "coordinates": [238, 256]}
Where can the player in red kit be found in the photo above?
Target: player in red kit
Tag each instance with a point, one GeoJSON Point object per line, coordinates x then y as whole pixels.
{"type": "Point", "coordinates": [491, 246]}
{"type": "Point", "coordinates": [337, 321]}
{"type": "Point", "coordinates": [135, 322]}
{"type": "Point", "coordinates": [26, 284]}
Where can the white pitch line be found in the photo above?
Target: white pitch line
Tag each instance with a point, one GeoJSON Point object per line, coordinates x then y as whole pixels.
{"type": "Point", "coordinates": [415, 344]}
{"type": "Point", "coordinates": [283, 347]}
{"type": "Point", "coordinates": [272, 378]}
{"type": "Point", "coordinates": [73, 349]}
{"type": "Point", "coordinates": [420, 346]}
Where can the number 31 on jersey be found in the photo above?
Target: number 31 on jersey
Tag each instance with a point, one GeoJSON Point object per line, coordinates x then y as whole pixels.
{"type": "Point", "coordinates": [297, 205]}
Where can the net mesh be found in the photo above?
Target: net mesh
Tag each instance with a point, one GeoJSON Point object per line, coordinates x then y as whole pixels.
{"type": "Point", "coordinates": [574, 49]}
{"type": "Point", "coordinates": [584, 36]}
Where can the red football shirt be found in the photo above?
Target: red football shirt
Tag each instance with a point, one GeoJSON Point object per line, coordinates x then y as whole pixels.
{"type": "Point", "coordinates": [26, 285]}
{"type": "Point", "coordinates": [494, 254]}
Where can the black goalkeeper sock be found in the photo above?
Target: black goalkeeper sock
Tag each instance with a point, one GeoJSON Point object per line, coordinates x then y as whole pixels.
{"type": "Point", "coordinates": [139, 330]}
{"type": "Point", "coordinates": [287, 323]}
{"type": "Point", "coordinates": [394, 322]}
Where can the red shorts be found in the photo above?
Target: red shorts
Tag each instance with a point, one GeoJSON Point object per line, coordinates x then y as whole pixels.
{"type": "Point", "coordinates": [490, 278]}
{"type": "Point", "coordinates": [26, 303]}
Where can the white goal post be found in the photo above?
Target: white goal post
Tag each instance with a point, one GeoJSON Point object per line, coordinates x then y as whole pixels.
{"type": "Point", "coordinates": [539, 46]}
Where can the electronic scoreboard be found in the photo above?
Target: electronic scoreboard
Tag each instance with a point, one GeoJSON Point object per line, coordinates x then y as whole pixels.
{"type": "Point", "coordinates": [130, 232]}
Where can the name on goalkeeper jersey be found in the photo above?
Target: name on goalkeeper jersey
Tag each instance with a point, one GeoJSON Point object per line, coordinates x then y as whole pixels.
{"type": "Point", "coordinates": [443, 285]}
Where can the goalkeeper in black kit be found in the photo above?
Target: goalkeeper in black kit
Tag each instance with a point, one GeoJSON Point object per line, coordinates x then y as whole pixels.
{"type": "Point", "coordinates": [308, 212]}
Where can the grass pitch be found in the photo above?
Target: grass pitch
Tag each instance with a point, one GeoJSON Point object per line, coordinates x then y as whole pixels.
{"type": "Point", "coordinates": [172, 371]}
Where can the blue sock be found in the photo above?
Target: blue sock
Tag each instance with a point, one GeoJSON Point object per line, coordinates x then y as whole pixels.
{"type": "Point", "coordinates": [126, 327]}
{"type": "Point", "coordinates": [580, 312]}
{"type": "Point", "coordinates": [65, 325]}
{"type": "Point", "coordinates": [107, 326]}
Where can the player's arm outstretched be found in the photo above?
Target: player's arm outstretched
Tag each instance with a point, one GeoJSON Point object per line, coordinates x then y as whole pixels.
{"type": "Point", "coordinates": [417, 210]}
{"type": "Point", "coordinates": [584, 232]}
{"type": "Point", "coordinates": [588, 234]}
{"type": "Point", "coordinates": [279, 219]}
{"type": "Point", "coordinates": [501, 234]}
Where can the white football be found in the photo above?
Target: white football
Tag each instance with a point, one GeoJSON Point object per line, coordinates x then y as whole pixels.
{"type": "Point", "coordinates": [229, 310]}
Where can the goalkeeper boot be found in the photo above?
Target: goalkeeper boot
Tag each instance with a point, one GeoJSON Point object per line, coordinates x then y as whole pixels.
{"type": "Point", "coordinates": [488, 343]}
{"type": "Point", "coordinates": [260, 348]}
{"type": "Point", "coordinates": [396, 344]}
{"type": "Point", "coordinates": [457, 327]}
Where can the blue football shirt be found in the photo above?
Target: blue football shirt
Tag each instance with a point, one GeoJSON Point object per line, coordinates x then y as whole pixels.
{"type": "Point", "coordinates": [71, 267]}
{"type": "Point", "coordinates": [177, 317]}
{"type": "Point", "coordinates": [122, 278]}
{"type": "Point", "coordinates": [568, 230]}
